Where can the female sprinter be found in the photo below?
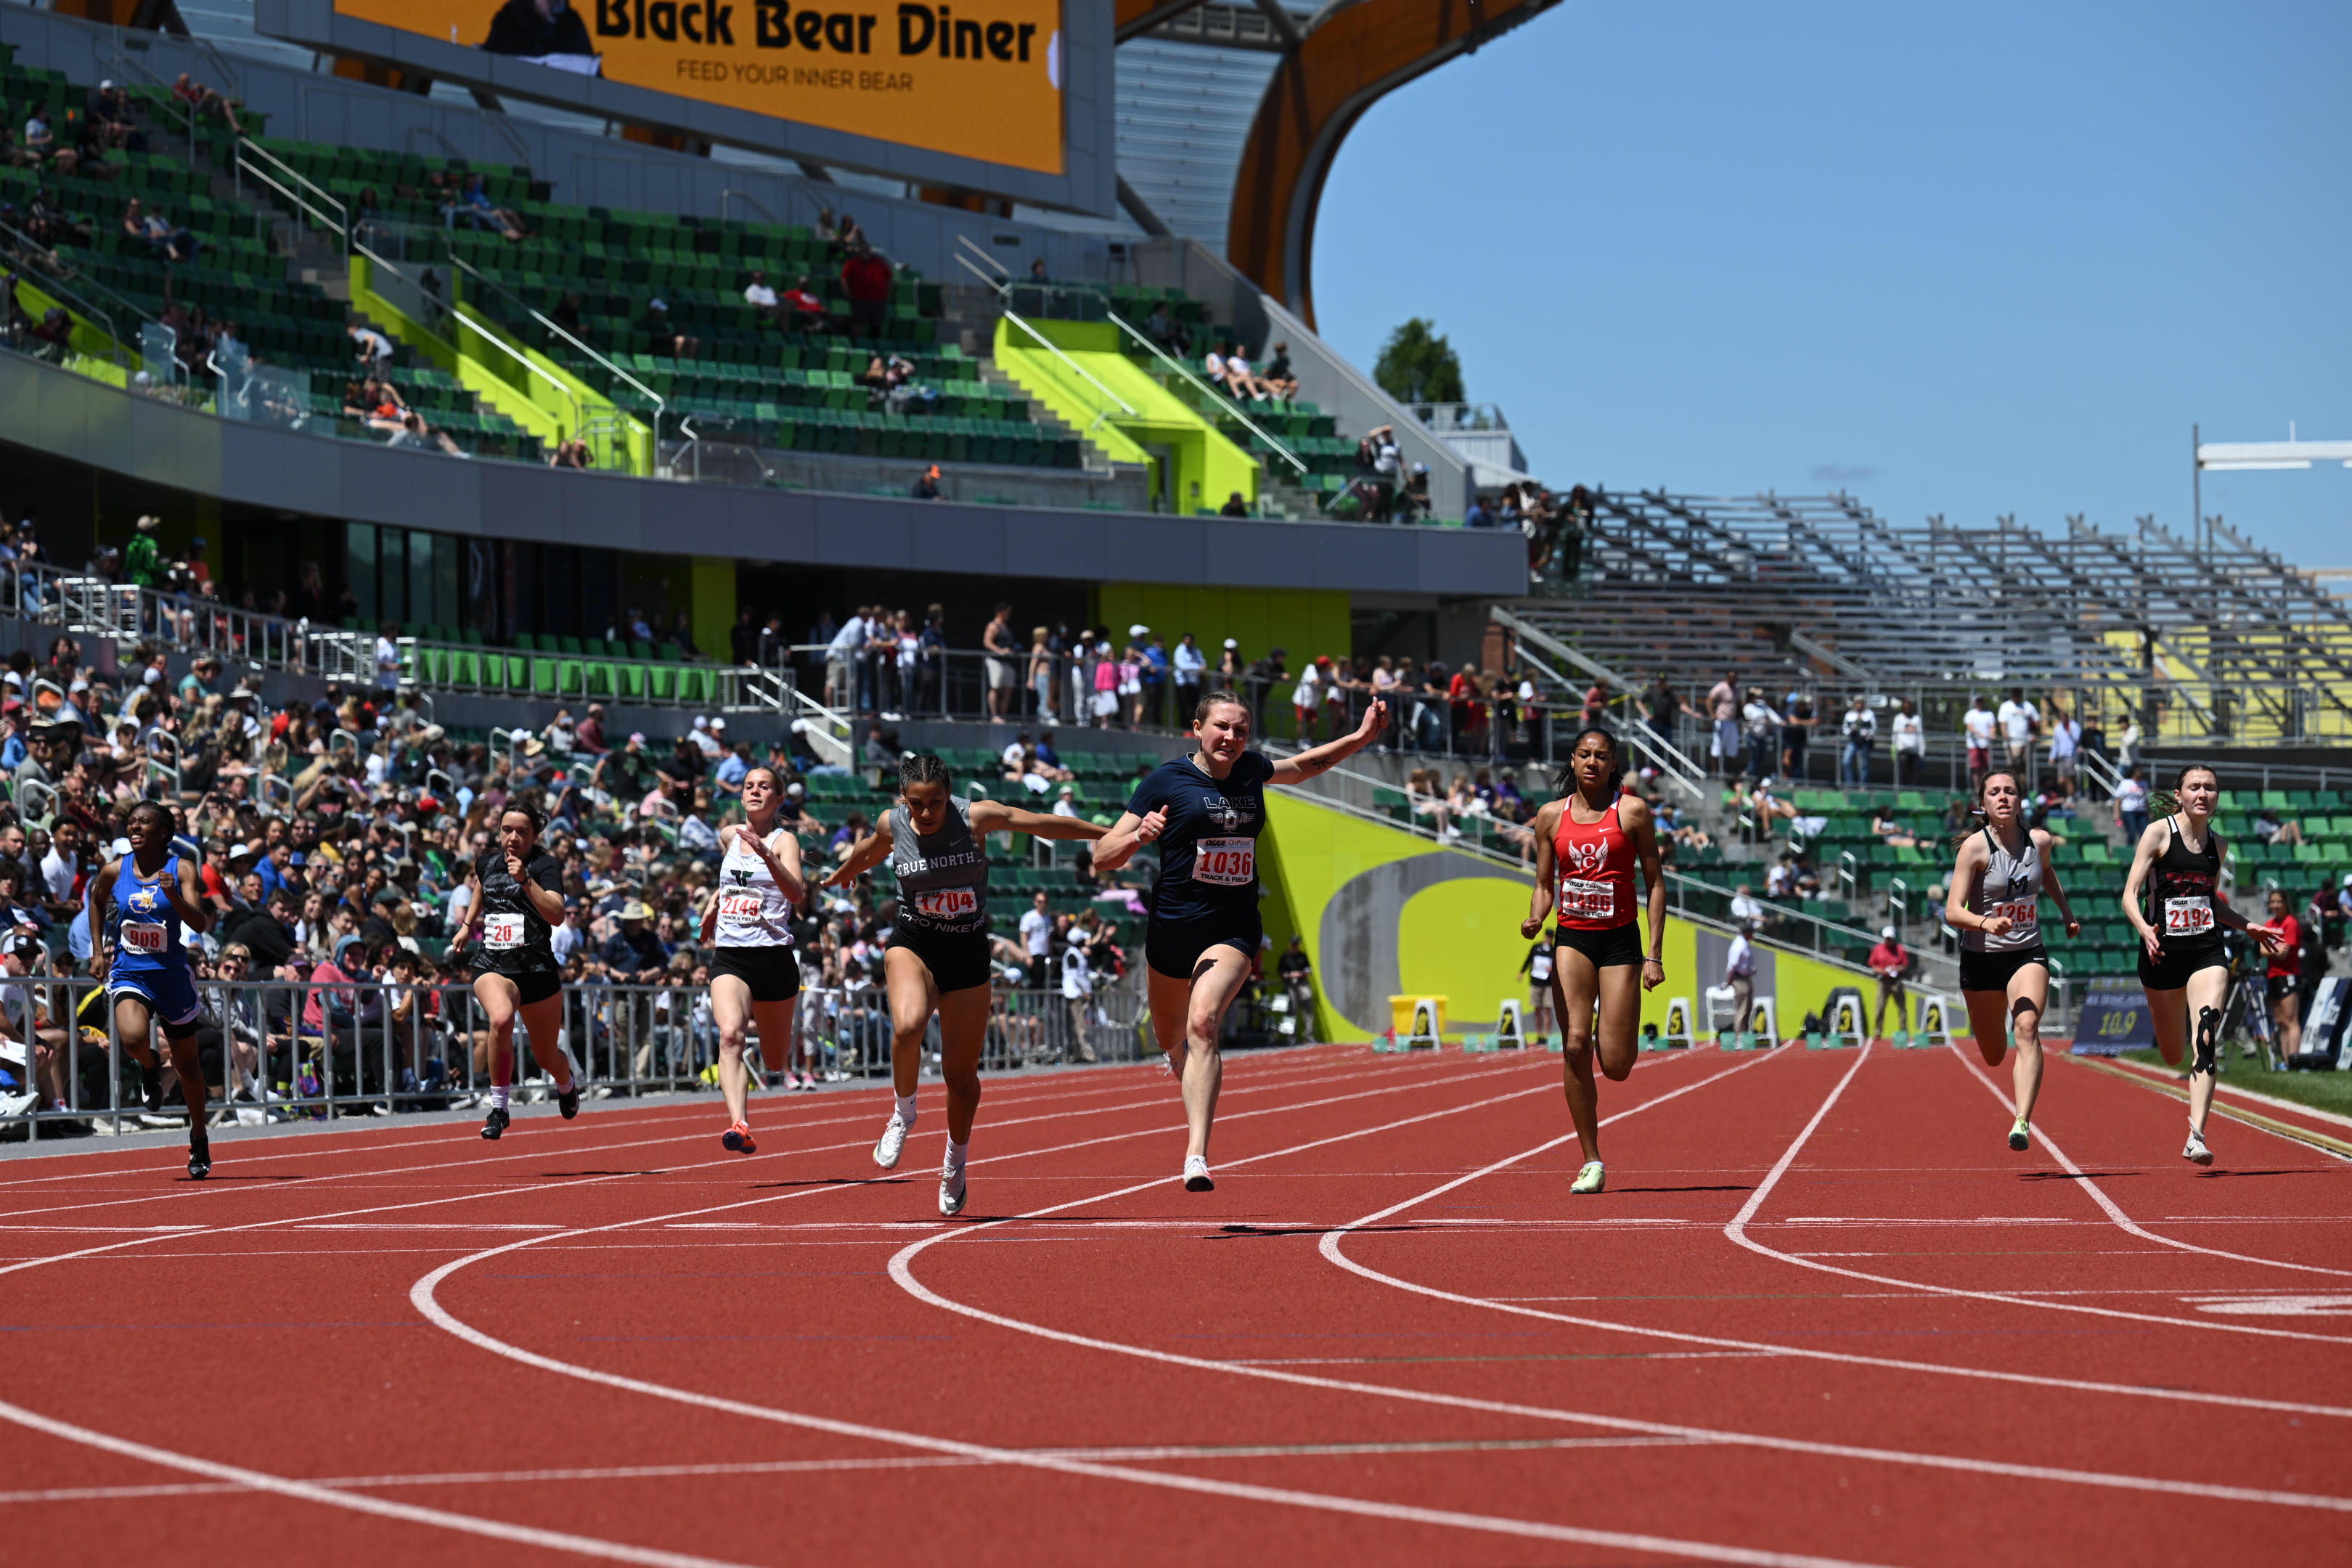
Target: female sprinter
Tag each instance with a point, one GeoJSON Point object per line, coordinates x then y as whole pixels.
{"type": "Point", "coordinates": [937, 958]}
{"type": "Point", "coordinates": [1206, 811]}
{"type": "Point", "coordinates": [2172, 898]}
{"type": "Point", "coordinates": [1587, 842]}
{"type": "Point", "coordinates": [515, 898]}
{"type": "Point", "coordinates": [148, 975]}
{"type": "Point", "coordinates": [755, 977]}
{"type": "Point", "coordinates": [1995, 904]}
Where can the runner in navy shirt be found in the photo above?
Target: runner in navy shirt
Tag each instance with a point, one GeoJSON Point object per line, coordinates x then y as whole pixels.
{"type": "Point", "coordinates": [1205, 811]}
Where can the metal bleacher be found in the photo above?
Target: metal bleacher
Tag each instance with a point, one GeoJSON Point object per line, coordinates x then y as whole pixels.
{"type": "Point", "coordinates": [2203, 637]}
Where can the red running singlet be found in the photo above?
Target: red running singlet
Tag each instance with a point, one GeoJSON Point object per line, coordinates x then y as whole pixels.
{"type": "Point", "coordinates": [1594, 862]}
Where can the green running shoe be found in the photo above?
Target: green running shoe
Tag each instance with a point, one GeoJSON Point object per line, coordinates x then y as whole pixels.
{"type": "Point", "coordinates": [2020, 1137]}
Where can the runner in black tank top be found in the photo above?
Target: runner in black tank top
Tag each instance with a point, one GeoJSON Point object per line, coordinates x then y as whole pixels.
{"type": "Point", "coordinates": [1208, 884]}
{"type": "Point", "coordinates": [1995, 903]}
{"type": "Point", "coordinates": [937, 958]}
{"type": "Point", "coordinates": [2173, 899]}
{"type": "Point", "coordinates": [515, 898]}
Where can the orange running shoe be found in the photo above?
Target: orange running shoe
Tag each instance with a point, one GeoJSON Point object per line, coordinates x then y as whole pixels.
{"type": "Point", "coordinates": [739, 1138]}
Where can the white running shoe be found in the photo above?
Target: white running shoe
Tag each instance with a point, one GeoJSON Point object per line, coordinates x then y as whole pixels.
{"type": "Point", "coordinates": [2195, 1154]}
{"type": "Point", "coordinates": [951, 1187]}
{"type": "Point", "coordinates": [1196, 1174]}
{"type": "Point", "coordinates": [1592, 1178]}
{"type": "Point", "coordinates": [893, 1143]}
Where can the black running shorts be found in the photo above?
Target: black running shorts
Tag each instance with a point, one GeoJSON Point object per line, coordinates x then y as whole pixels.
{"type": "Point", "coordinates": [773, 973]}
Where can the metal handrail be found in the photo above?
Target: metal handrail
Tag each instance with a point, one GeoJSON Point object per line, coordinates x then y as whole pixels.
{"type": "Point", "coordinates": [579, 415]}
{"type": "Point", "coordinates": [661, 403]}
{"type": "Point", "coordinates": [749, 200]}
{"type": "Point", "coordinates": [52, 283]}
{"type": "Point", "coordinates": [1225, 403]}
{"type": "Point", "coordinates": [342, 221]}
{"type": "Point", "coordinates": [1125, 406]}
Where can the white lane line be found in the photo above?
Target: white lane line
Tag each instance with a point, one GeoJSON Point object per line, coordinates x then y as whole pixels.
{"type": "Point", "coordinates": [424, 1297]}
{"type": "Point", "coordinates": [901, 1271]}
{"type": "Point", "coordinates": [1333, 1249]}
{"type": "Point", "coordinates": [796, 1466]}
{"type": "Point", "coordinates": [345, 1140]}
{"type": "Point", "coordinates": [1736, 1231]}
{"type": "Point", "coordinates": [357, 1503]}
{"type": "Point", "coordinates": [2107, 1205]}
{"type": "Point", "coordinates": [191, 1191]}
{"type": "Point", "coordinates": [471, 1524]}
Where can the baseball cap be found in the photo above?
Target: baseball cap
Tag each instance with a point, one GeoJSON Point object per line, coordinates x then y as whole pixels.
{"type": "Point", "coordinates": [636, 737]}
{"type": "Point", "coordinates": [1231, 643]}
{"type": "Point", "coordinates": [1888, 934]}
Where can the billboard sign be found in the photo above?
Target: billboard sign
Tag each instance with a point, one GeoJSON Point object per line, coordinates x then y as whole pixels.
{"type": "Point", "coordinates": [985, 87]}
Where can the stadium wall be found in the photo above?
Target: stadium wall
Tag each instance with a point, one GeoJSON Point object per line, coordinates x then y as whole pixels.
{"type": "Point", "coordinates": [1386, 913]}
{"type": "Point", "coordinates": [63, 416]}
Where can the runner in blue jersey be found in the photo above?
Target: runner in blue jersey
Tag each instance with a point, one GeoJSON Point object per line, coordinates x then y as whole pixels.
{"type": "Point", "coordinates": [147, 973]}
{"type": "Point", "coordinates": [1205, 811]}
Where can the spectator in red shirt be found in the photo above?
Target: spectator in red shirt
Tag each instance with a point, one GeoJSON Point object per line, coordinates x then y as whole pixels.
{"type": "Point", "coordinates": [865, 277]}
{"type": "Point", "coordinates": [2279, 982]}
{"type": "Point", "coordinates": [806, 309]}
{"type": "Point", "coordinates": [1888, 962]}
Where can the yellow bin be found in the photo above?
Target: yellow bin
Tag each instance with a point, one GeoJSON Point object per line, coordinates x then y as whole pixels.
{"type": "Point", "coordinates": [1401, 1010]}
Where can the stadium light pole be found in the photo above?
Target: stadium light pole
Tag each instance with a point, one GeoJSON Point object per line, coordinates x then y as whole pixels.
{"type": "Point", "coordinates": [2245, 456]}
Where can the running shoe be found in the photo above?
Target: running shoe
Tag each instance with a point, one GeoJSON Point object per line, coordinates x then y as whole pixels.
{"type": "Point", "coordinates": [200, 1158]}
{"type": "Point", "coordinates": [1196, 1174]}
{"type": "Point", "coordinates": [2020, 1137]}
{"type": "Point", "coordinates": [495, 1125]}
{"type": "Point", "coordinates": [1592, 1178]}
{"type": "Point", "coordinates": [739, 1138]}
{"type": "Point", "coordinates": [2195, 1154]}
{"type": "Point", "coordinates": [893, 1143]}
{"type": "Point", "coordinates": [568, 1100]}
{"type": "Point", "coordinates": [952, 1189]}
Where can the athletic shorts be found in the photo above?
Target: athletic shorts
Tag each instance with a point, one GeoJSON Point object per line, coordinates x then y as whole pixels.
{"type": "Point", "coordinates": [2171, 972]}
{"type": "Point", "coordinates": [957, 960]}
{"type": "Point", "coordinates": [1174, 948]}
{"type": "Point", "coordinates": [170, 995]}
{"type": "Point", "coordinates": [773, 973]}
{"type": "Point", "coordinates": [535, 986]}
{"type": "Point", "coordinates": [2278, 987]}
{"type": "Point", "coordinates": [1605, 949]}
{"type": "Point", "coordinates": [1993, 971]}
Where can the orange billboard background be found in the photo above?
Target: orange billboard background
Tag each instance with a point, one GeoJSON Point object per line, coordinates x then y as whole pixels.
{"type": "Point", "coordinates": [979, 79]}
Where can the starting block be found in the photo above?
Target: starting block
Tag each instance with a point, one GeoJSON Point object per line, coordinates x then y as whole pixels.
{"type": "Point", "coordinates": [1510, 1028]}
{"type": "Point", "coordinates": [1911, 1040]}
{"type": "Point", "coordinates": [1936, 1021]}
{"type": "Point", "coordinates": [1417, 1023]}
{"type": "Point", "coordinates": [1738, 1040]}
{"type": "Point", "coordinates": [1678, 1032]}
{"type": "Point", "coordinates": [1830, 1040]}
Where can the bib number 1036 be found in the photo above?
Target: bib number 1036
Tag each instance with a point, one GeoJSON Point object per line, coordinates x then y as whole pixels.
{"type": "Point", "coordinates": [1227, 862]}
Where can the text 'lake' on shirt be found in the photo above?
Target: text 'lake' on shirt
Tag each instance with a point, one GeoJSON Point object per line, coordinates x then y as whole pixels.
{"type": "Point", "coordinates": [1208, 854]}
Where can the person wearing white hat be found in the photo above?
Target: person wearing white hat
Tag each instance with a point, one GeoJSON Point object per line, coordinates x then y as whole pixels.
{"type": "Point", "coordinates": [1888, 962]}
{"type": "Point", "coordinates": [704, 740]}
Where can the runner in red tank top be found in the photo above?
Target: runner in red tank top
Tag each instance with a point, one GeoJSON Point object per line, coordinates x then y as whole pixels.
{"type": "Point", "coordinates": [1587, 843]}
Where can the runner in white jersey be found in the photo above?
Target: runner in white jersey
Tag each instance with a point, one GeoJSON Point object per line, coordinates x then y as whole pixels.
{"type": "Point", "coordinates": [754, 976]}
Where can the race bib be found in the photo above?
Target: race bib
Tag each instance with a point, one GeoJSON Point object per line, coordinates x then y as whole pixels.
{"type": "Point", "coordinates": [503, 931]}
{"type": "Point", "coordinates": [1227, 862]}
{"type": "Point", "coordinates": [947, 903]}
{"type": "Point", "coordinates": [1584, 900]}
{"type": "Point", "coordinates": [2187, 917]}
{"type": "Point", "coordinates": [2021, 912]}
{"type": "Point", "coordinates": [138, 936]}
{"type": "Point", "coordinates": [739, 906]}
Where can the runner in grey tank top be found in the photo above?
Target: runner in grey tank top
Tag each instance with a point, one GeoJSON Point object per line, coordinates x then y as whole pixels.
{"type": "Point", "coordinates": [943, 879]}
{"type": "Point", "coordinates": [937, 844]}
{"type": "Point", "coordinates": [2010, 885]}
{"type": "Point", "coordinates": [1994, 904]}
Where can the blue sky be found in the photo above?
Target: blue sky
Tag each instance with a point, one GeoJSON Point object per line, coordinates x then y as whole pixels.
{"type": "Point", "coordinates": [1967, 260]}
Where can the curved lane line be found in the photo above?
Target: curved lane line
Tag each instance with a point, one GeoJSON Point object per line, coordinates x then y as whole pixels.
{"type": "Point", "coordinates": [901, 1269]}
{"type": "Point", "coordinates": [2124, 1220]}
{"type": "Point", "coordinates": [1736, 1231]}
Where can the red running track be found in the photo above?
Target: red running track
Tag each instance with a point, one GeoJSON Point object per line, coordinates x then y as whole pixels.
{"type": "Point", "coordinates": [1823, 1315]}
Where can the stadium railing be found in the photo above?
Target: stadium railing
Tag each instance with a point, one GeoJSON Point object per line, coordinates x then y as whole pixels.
{"type": "Point", "coordinates": [337, 1049]}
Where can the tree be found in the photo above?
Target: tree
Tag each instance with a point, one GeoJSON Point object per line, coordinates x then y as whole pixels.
{"type": "Point", "coordinates": [1416, 365]}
